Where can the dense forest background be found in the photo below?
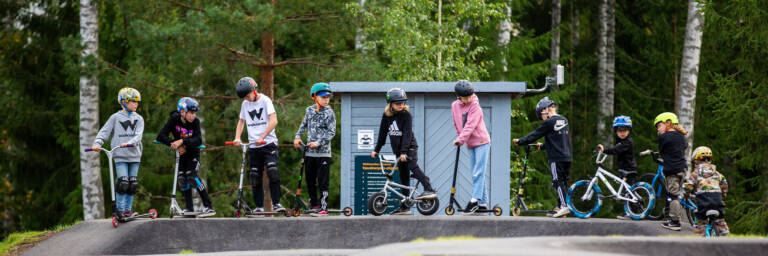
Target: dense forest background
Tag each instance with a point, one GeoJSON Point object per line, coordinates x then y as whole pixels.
{"type": "Point", "coordinates": [173, 48]}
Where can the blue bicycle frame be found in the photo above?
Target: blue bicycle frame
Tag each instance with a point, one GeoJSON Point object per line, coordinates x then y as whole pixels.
{"type": "Point", "coordinates": [659, 180]}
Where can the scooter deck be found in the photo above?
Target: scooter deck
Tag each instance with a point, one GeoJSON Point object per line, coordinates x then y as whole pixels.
{"type": "Point", "coordinates": [132, 218]}
{"type": "Point", "coordinates": [262, 214]}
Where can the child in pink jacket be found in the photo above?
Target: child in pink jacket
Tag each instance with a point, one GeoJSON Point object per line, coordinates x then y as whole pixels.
{"type": "Point", "coordinates": [470, 129]}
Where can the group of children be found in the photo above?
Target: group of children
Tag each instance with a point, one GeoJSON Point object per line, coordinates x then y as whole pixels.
{"type": "Point", "coordinates": [708, 185]}
{"type": "Point", "coordinates": [257, 113]}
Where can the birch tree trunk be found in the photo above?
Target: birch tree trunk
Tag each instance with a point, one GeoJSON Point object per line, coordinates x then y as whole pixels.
{"type": "Point", "coordinates": [685, 104]}
{"type": "Point", "coordinates": [90, 168]}
{"type": "Point", "coordinates": [554, 54]}
{"type": "Point", "coordinates": [360, 36]}
{"type": "Point", "coordinates": [605, 70]}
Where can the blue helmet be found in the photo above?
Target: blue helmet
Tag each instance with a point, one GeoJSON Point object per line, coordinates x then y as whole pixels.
{"type": "Point", "coordinates": [188, 104]}
{"type": "Point", "coordinates": [622, 121]}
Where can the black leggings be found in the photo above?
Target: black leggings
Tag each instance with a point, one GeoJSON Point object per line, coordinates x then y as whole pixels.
{"type": "Point", "coordinates": [188, 167]}
{"type": "Point", "coordinates": [265, 157]}
{"type": "Point", "coordinates": [412, 166]}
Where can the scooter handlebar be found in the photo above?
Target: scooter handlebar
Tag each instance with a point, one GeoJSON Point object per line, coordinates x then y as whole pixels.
{"type": "Point", "coordinates": [230, 143]}
{"type": "Point", "coordinates": [128, 146]}
{"type": "Point", "coordinates": [89, 149]}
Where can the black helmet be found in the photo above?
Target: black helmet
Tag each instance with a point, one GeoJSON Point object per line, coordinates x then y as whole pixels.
{"type": "Point", "coordinates": [396, 95]}
{"type": "Point", "coordinates": [245, 86]}
{"type": "Point", "coordinates": [464, 88]}
{"type": "Point", "coordinates": [543, 103]}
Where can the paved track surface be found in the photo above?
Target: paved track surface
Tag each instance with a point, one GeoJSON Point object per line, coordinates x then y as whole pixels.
{"type": "Point", "coordinates": [337, 235]}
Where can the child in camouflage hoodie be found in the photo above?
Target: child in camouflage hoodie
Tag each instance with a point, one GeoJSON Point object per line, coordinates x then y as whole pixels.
{"type": "Point", "coordinates": [710, 188]}
{"type": "Point", "coordinates": [320, 125]}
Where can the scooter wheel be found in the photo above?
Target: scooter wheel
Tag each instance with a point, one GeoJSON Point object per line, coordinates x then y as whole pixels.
{"type": "Point", "coordinates": [497, 211]}
{"type": "Point", "coordinates": [114, 221]}
{"type": "Point", "coordinates": [348, 211]}
{"type": "Point", "coordinates": [449, 210]}
{"type": "Point", "coordinates": [515, 211]}
{"type": "Point", "coordinates": [237, 213]}
{"type": "Point", "coordinates": [153, 213]}
{"type": "Point", "coordinates": [296, 212]}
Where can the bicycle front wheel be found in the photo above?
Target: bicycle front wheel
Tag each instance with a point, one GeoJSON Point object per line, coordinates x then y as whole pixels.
{"type": "Point", "coordinates": [583, 207]}
{"type": "Point", "coordinates": [659, 209]}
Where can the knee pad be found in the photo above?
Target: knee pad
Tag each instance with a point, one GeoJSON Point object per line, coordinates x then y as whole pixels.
{"type": "Point", "coordinates": [183, 182]}
{"type": "Point", "coordinates": [123, 185]}
{"type": "Point", "coordinates": [191, 179]}
{"type": "Point", "coordinates": [134, 185]}
{"type": "Point", "coordinates": [272, 172]}
{"type": "Point", "coordinates": [255, 175]}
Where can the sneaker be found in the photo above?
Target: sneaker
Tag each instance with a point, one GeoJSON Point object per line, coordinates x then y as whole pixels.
{"type": "Point", "coordinates": [699, 229]}
{"type": "Point", "coordinates": [402, 211]}
{"type": "Point", "coordinates": [206, 212]}
{"type": "Point", "coordinates": [563, 212]}
{"type": "Point", "coordinates": [670, 224]}
{"type": "Point", "coordinates": [278, 207]}
{"type": "Point", "coordinates": [721, 226]}
{"type": "Point", "coordinates": [321, 213]}
{"type": "Point", "coordinates": [623, 217]}
{"type": "Point", "coordinates": [427, 195]}
{"type": "Point", "coordinates": [471, 208]}
{"type": "Point", "coordinates": [257, 211]}
{"type": "Point", "coordinates": [553, 211]}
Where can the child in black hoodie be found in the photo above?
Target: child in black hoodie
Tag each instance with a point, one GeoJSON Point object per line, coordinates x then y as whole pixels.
{"type": "Point", "coordinates": [397, 123]}
{"type": "Point", "coordinates": [624, 151]}
{"type": "Point", "coordinates": [185, 127]}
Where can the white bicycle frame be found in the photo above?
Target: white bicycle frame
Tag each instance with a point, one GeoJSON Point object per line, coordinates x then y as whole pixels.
{"type": "Point", "coordinates": [392, 159]}
{"type": "Point", "coordinates": [602, 173]}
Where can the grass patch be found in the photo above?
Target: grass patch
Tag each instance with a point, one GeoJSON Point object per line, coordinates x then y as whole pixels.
{"type": "Point", "coordinates": [445, 238]}
{"type": "Point", "coordinates": [17, 243]}
{"type": "Point", "coordinates": [187, 252]}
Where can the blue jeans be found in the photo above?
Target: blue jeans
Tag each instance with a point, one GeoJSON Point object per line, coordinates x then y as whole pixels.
{"type": "Point", "coordinates": [479, 159]}
{"type": "Point", "coordinates": [125, 201]}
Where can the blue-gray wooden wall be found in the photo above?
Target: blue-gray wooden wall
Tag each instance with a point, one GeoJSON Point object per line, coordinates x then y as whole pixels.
{"type": "Point", "coordinates": [434, 131]}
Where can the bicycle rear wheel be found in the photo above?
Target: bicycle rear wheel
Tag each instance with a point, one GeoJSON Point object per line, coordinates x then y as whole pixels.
{"type": "Point", "coordinates": [645, 201]}
{"type": "Point", "coordinates": [659, 209]}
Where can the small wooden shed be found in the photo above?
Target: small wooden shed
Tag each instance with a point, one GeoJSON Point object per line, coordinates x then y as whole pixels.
{"type": "Point", "coordinates": [362, 104]}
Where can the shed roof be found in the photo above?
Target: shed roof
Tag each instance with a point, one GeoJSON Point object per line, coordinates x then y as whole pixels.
{"type": "Point", "coordinates": [481, 87]}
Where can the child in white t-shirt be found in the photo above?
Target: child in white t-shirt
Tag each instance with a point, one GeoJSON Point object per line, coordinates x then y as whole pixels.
{"type": "Point", "coordinates": [258, 114]}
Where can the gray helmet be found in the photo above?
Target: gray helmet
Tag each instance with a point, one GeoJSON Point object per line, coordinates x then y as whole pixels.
{"type": "Point", "coordinates": [245, 86]}
{"type": "Point", "coordinates": [543, 103]}
{"type": "Point", "coordinates": [464, 88]}
{"type": "Point", "coordinates": [396, 95]}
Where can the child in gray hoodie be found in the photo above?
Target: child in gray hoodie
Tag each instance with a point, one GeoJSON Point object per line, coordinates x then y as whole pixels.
{"type": "Point", "coordinates": [126, 127]}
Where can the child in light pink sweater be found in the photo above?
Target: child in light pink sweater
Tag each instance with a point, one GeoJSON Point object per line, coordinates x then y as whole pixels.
{"type": "Point", "coordinates": [470, 129]}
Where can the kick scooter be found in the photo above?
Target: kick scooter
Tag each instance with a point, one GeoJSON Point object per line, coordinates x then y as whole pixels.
{"type": "Point", "coordinates": [520, 206]}
{"type": "Point", "coordinates": [241, 207]}
{"type": "Point", "coordinates": [450, 210]}
{"type": "Point", "coordinates": [299, 206]}
{"type": "Point", "coordinates": [175, 209]}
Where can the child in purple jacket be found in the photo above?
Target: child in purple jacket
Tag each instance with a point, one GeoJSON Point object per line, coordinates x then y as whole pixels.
{"type": "Point", "coordinates": [470, 129]}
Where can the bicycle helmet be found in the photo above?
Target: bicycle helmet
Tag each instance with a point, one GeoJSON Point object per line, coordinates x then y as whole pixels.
{"type": "Point", "coordinates": [543, 104]}
{"type": "Point", "coordinates": [464, 88]}
{"type": "Point", "coordinates": [666, 116]}
{"type": "Point", "coordinates": [188, 104]}
{"type": "Point", "coordinates": [701, 153]}
{"type": "Point", "coordinates": [622, 121]}
{"type": "Point", "coordinates": [396, 95]}
{"type": "Point", "coordinates": [128, 94]}
{"type": "Point", "coordinates": [245, 86]}
{"type": "Point", "coordinates": [320, 89]}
